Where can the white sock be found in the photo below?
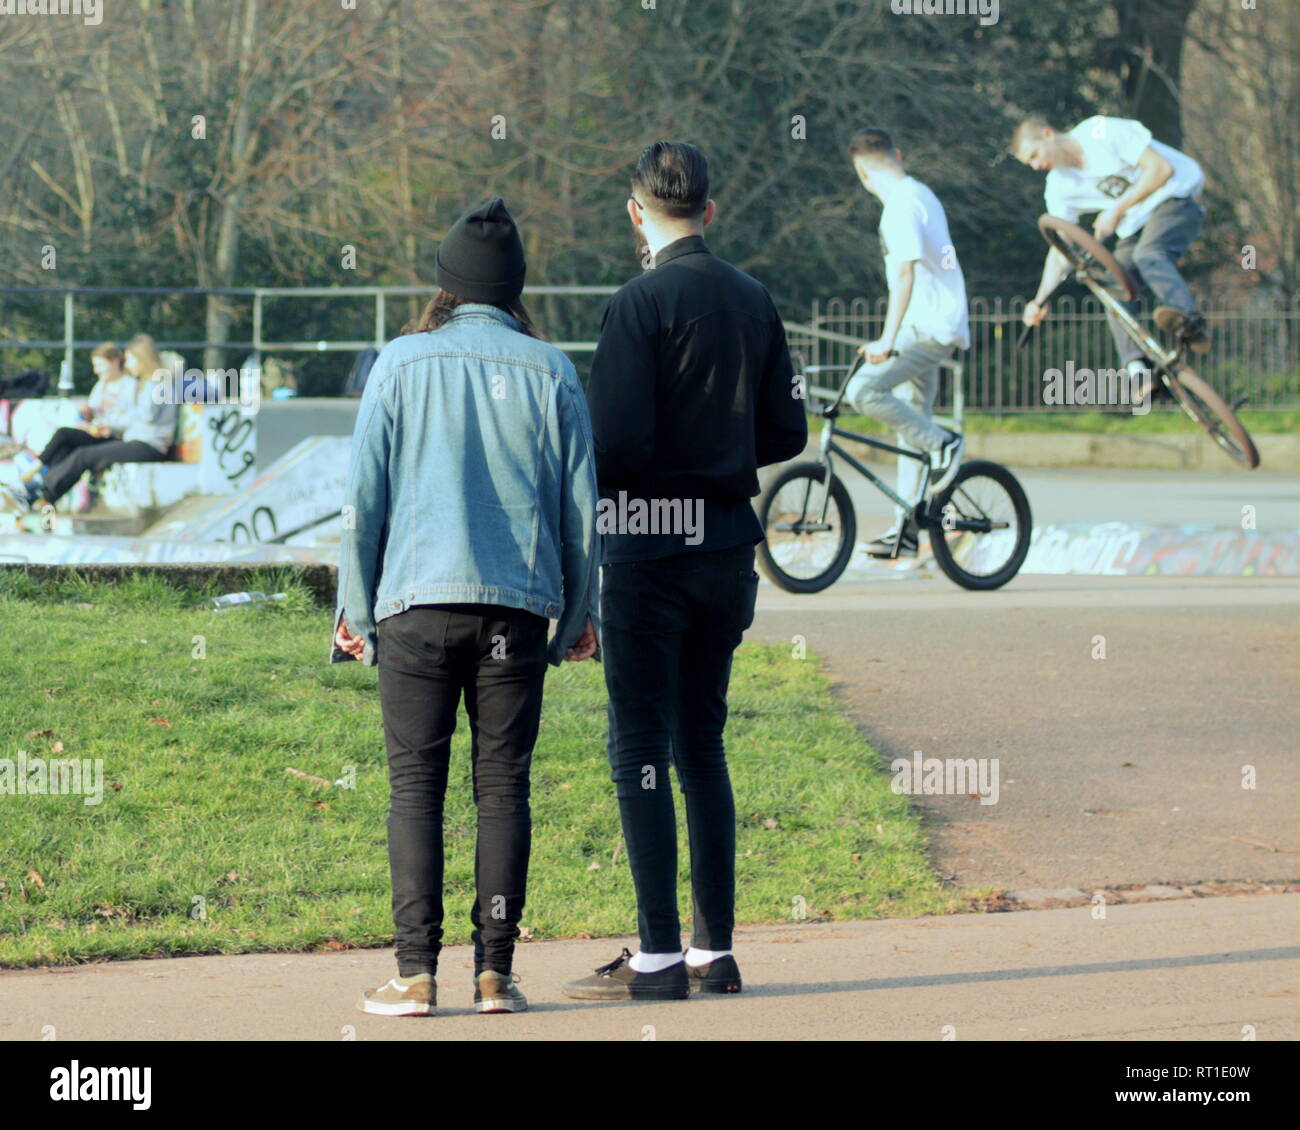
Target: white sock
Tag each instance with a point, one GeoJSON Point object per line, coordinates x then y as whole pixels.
{"type": "Point", "coordinates": [653, 962]}
{"type": "Point", "coordinates": [703, 957]}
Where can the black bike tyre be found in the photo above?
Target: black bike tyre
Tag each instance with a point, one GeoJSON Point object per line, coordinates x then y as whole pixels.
{"type": "Point", "coordinates": [1193, 394]}
{"type": "Point", "coordinates": [839, 493]}
{"type": "Point", "coordinates": [939, 544]}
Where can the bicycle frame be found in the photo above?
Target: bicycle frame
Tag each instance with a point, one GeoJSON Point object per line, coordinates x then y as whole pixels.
{"type": "Point", "coordinates": [828, 447]}
{"type": "Point", "coordinates": [1167, 358]}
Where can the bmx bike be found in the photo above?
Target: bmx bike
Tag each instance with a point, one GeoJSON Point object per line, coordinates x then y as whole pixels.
{"type": "Point", "coordinates": [1094, 266]}
{"type": "Point", "coordinates": [979, 525]}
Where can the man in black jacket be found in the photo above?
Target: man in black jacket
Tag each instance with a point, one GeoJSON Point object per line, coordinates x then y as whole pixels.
{"type": "Point", "coordinates": [691, 391]}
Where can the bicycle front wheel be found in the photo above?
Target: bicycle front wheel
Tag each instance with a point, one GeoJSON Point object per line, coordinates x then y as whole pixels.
{"type": "Point", "coordinates": [982, 534]}
{"type": "Point", "coordinates": [1208, 409]}
{"type": "Point", "coordinates": [810, 528]}
{"type": "Point", "coordinates": [1089, 258]}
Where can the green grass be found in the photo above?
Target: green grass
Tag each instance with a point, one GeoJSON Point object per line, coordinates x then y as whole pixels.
{"type": "Point", "coordinates": [1258, 422]}
{"type": "Point", "coordinates": [197, 804]}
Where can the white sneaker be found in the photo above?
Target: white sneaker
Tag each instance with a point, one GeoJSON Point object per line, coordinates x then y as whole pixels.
{"type": "Point", "coordinates": [945, 462]}
{"type": "Point", "coordinates": [28, 465]}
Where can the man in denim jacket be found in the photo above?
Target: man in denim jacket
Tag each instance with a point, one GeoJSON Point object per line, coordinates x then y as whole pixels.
{"type": "Point", "coordinates": [439, 511]}
{"type": "Point", "coordinates": [468, 524]}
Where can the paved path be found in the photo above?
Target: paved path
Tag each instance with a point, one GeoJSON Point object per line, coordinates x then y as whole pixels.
{"type": "Point", "coordinates": [1120, 770]}
{"type": "Point", "coordinates": [1200, 969]}
{"type": "Point", "coordinates": [1162, 498]}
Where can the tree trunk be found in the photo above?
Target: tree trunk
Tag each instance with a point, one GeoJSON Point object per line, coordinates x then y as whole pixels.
{"type": "Point", "coordinates": [1151, 33]}
{"type": "Point", "coordinates": [225, 265]}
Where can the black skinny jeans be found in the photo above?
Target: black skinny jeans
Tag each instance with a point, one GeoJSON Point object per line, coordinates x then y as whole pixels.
{"type": "Point", "coordinates": [669, 630]}
{"type": "Point", "coordinates": [72, 452]}
{"type": "Point", "coordinates": [426, 657]}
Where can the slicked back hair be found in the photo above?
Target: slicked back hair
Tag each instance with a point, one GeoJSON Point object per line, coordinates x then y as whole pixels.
{"type": "Point", "coordinates": [673, 177]}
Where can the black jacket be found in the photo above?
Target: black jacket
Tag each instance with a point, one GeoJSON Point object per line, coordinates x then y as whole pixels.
{"type": "Point", "coordinates": [691, 388]}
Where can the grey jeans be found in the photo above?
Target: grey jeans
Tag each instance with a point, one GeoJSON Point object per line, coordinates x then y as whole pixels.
{"type": "Point", "coordinates": [1151, 255]}
{"type": "Point", "coordinates": [900, 392]}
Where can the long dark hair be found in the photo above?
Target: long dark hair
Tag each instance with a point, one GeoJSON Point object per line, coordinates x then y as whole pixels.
{"type": "Point", "coordinates": [444, 302]}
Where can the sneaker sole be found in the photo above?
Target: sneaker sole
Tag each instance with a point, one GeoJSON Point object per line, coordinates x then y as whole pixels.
{"type": "Point", "coordinates": [628, 995]}
{"type": "Point", "coordinates": [502, 1004]}
{"type": "Point", "coordinates": [721, 988]}
{"type": "Point", "coordinates": [382, 1008]}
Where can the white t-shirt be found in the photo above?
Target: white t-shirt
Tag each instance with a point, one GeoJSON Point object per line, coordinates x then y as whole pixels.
{"type": "Point", "coordinates": [913, 227]}
{"type": "Point", "coordinates": [1111, 148]}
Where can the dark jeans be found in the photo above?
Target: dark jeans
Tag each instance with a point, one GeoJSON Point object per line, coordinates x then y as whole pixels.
{"type": "Point", "coordinates": [669, 628]}
{"type": "Point", "coordinates": [72, 452]}
{"type": "Point", "coordinates": [1151, 256]}
{"type": "Point", "coordinates": [427, 656]}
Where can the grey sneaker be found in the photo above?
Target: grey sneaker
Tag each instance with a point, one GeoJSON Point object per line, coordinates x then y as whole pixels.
{"type": "Point", "coordinates": [412, 996]}
{"type": "Point", "coordinates": [496, 992]}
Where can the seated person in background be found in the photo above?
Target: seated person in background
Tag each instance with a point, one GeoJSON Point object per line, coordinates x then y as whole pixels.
{"type": "Point", "coordinates": [140, 430]}
{"type": "Point", "coordinates": [106, 415]}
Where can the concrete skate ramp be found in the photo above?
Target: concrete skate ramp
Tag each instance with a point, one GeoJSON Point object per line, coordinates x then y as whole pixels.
{"type": "Point", "coordinates": [297, 493]}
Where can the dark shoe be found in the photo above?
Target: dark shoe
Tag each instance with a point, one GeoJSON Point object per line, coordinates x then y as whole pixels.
{"type": "Point", "coordinates": [946, 462]}
{"type": "Point", "coordinates": [495, 992]}
{"type": "Point", "coordinates": [894, 544]}
{"type": "Point", "coordinates": [1188, 326]}
{"type": "Point", "coordinates": [618, 981]}
{"type": "Point", "coordinates": [721, 976]}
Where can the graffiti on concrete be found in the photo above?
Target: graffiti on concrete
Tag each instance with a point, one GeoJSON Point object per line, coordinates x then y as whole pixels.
{"type": "Point", "coordinates": [300, 490]}
{"type": "Point", "coordinates": [1125, 549]}
{"type": "Point", "coordinates": [228, 459]}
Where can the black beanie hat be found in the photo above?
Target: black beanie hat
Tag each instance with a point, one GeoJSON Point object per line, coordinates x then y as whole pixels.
{"type": "Point", "coordinates": [481, 259]}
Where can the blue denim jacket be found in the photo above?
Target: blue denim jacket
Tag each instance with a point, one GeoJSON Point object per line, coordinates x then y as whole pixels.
{"type": "Point", "coordinates": [472, 480]}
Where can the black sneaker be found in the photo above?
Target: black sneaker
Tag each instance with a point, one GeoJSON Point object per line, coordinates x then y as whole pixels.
{"type": "Point", "coordinates": [894, 544]}
{"type": "Point", "coordinates": [618, 981]}
{"type": "Point", "coordinates": [1153, 382]}
{"type": "Point", "coordinates": [720, 976]}
{"type": "Point", "coordinates": [1188, 326]}
{"type": "Point", "coordinates": [946, 462]}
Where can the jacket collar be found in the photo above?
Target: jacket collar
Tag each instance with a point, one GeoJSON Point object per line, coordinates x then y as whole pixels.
{"type": "Point", "coordinates": [483, 310]}
{"type": "Point", "coordinates": [687, 245]}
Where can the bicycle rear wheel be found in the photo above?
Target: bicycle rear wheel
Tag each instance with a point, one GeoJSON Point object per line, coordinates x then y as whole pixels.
{"type": "Point", "coordinates": [983, 526]}
{"type": "Point", "coordinates": [1209, 409]}
{"type": "Point", "coordinates": [810, 526]}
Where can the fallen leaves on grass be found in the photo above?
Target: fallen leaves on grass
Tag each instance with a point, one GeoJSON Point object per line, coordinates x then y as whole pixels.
{"type": "Point", "coordinates": [308, 777]}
